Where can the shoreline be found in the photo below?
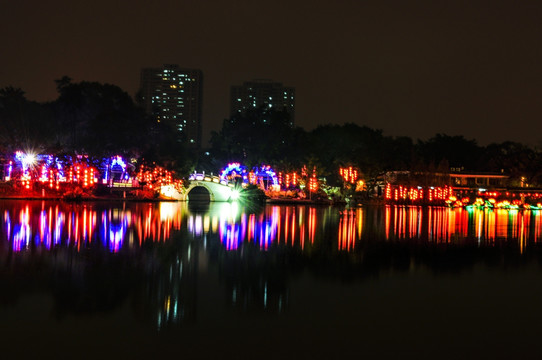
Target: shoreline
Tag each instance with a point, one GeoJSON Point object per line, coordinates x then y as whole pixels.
{"type": "Point", "coordinates": [268, 201]}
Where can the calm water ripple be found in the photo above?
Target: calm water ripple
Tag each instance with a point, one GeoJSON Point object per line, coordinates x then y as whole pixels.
{"type": "Point", "coordinates": [142, 279]}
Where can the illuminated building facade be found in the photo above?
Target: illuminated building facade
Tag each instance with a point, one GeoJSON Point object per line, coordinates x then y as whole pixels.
{"type": "Point", "coordinates": [262, 94]}
{"type": "Point", "coordinates": [174, 95]}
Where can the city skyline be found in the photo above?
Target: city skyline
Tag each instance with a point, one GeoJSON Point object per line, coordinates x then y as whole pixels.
{"type": "Point", "coordinates": [411, 69]}
{"type": "Point", "coordinates": [175, 95]}
{"type": "Point", "coordinates": [262, 93]}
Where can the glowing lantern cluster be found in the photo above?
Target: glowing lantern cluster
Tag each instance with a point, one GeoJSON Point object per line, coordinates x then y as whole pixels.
{"type": "Point", "coordinates": [313, 184]}
{"type": "Point", "coordinates": [349, 174]}
{"type": "Point", "coordinates": [82, 174]}
{"type": "Point", "coordinates": [51, 171]}
{"type": "Point", "coordinates": [155, 177]}
{"type": "Point", "coordinates": [313, 181]}
{"type": "Point", "coordinates": [288, 179]}
{"type": "Point", "coordinates": [416, 194]}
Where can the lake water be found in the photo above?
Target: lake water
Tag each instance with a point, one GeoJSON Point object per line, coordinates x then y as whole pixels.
{"type": "Point", "coordinates": [145, 280]}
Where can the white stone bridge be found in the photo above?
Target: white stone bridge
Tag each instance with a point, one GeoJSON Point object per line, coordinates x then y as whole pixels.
{"type": "Point", "coordinates": [202, 184]}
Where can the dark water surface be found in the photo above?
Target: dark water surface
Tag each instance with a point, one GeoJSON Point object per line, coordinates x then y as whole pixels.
{"type": "Point", "coordinates": [147, 280]}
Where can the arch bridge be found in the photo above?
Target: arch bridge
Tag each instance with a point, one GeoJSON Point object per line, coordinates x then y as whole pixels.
{"type": "Point", "coordinates": [219, 190]}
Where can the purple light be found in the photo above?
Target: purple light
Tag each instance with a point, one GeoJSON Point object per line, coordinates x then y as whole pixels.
{"type": "Point", "coordinates": [266, 173]}
{"type": "Point", "coordinates": [234, 169]}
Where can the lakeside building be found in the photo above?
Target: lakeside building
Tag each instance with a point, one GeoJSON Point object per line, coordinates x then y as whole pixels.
{"type": "Point", "coordinates": [174, 95]}
{"type": "Point", "coordinates": [469, 180]}
{"type": "Point", "coordinates": [456, 180]}
{"type": "Point", "coordinates": [457, 189]}
{"type": "Point", "coordinates": [262, 93]}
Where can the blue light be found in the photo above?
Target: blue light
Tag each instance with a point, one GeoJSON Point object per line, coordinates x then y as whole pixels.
{"type": "Point", "coordinates": [266, 174]}
{"type": "Point", "coordinates": [234, 170]}
{"type": "Point", "coordinates": [117, 160]}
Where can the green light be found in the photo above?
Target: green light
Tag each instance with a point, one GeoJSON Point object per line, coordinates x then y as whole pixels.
{"type": "Point", "coordinates": [235, 194]}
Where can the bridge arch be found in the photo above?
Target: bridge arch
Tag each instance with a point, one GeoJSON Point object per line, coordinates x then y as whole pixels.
{"type": "Point", "coordinates": [197, 193]}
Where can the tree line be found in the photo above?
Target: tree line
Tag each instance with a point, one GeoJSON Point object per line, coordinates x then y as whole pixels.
{"type": "Point", "coordinates": [101, 120]}
{"type": "Point", "coordinates": [90, 118]}
{"type": "Point", "coordinates": [265, 136]}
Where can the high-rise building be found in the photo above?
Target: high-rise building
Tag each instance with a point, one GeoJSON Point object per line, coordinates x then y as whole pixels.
{"type": "Point", "coordinates": [174, 95]}
{"type": "Point", "coordinates": [262, 94]}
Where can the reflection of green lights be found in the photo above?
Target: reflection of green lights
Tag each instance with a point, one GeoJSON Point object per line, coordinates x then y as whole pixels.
{"type": "Point", "coordinates": [228, 210]}
{"type": "Point", "coordinates": [470, 208]}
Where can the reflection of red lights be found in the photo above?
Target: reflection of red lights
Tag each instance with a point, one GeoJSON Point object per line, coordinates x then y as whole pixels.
{"type": "Point", "coordinates": [347, 230]}
{"type": "Point", "coordinates": [50, 226]}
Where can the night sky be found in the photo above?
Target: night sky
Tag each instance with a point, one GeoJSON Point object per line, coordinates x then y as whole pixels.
{"type": "Point", "coordinates": [410, 68]}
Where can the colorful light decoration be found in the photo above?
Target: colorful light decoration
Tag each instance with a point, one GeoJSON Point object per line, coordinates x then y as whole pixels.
{"type": "Point", "coordinates": [115, 162]}
{"type": "Point", "coordinates": [27, 160]}
{"type": "Point", "coordinates": [157, 178]}
{"type": "Point", "coordinates": [234, 171]}
{"type": "Point", "coordinates": [313, 181]}
{"type": "Point", "coordinates": [10, 169]}
{"type": "Point", "coordinates": [264, 176]}
{"type": "Point", "coordinates": [349, 174]}
{"type": "Point", "coordinates": [313, 184]}
{"type": "Point", "coordinates": [82, 174]}
{"type": "Point", "coordinates": [399, 193]}
{"type": "Point", "coordinates": [288, 179]}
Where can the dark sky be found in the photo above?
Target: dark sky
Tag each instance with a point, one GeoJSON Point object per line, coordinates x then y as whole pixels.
{"type": "Point", "coordinates": [412, 68]}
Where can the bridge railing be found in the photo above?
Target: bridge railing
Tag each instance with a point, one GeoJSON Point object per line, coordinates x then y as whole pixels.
{"type": "Point", "coordinates": [209, 178]}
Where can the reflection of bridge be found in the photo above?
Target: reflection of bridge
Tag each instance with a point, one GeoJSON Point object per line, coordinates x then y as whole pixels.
{"type": "Point", "coordinates": [218, 190]}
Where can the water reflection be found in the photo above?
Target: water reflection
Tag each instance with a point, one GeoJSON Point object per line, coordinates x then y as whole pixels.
{"type": "Point", "coordinates": [99, 254]}
{"type": "Point", "coordinates": [48, 225]}
{"type": "Point", "coordinates": [444, 225]}
{"type": "Point", "coordinates": [93, 273]}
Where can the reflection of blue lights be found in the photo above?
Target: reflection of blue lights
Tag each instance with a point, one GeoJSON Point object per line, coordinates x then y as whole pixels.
{"type": "Point", "coordinates": [45, 231]}
{"type": "Point", "coordinates": [57, 235]}
{"type": "Point", "coordinates": [231, 234]}
{"type": "Point", "coordinates": [267, 231]}
{"type": "Point", "coordinates": [21, 236]}
{"type": "Point", "coordinates": [7, 221]}
{"type": "Point", "coordinates": [116, 236]}
{"type": "Point", "coordinates": [113, 233]}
